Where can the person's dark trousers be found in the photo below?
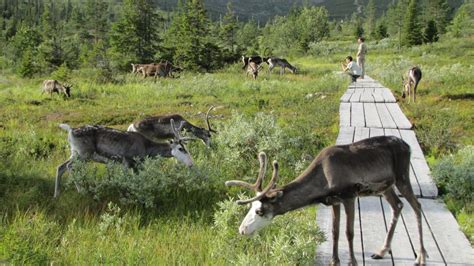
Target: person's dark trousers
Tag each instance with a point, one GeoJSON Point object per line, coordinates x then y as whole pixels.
{"type": "Point", "coordinates": [354, 77]}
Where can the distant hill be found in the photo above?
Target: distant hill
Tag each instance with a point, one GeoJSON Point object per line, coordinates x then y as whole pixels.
{"type": "Point", "coordinates": [263, 10]}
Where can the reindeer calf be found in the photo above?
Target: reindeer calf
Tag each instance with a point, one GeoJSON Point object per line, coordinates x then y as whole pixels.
{"type": "Point", "coordinates": [411, 83]}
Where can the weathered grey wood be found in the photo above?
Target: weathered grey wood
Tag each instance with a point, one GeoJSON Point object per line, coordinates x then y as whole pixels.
{"type": "Point", "coordinates": [453, 243]}
{"type": "Point", "coordinates": [371, 115]}
{"type": "Point", "coordinates": [409, 221]}
{"type": "Point", "coordinates": [398, 117]}
{"type": "Point", "coordinates": [374, 132]}
{"type": "Point", "coordinates": [357, 115]}
{"type": "Point", "coordinates": [388, 96]}
{"type": "Point", "coordinates": [423, 176]}
{"type": "Point", "coordinates": [345, 115]}
{"type": "Point", "coordinates": [402, 252]}
{"type": "Point", "coordinates": [392, 132]}
{"type": "Point", "coordinates": [373, 229]}
{"type": "Point", "coordinates": [361, 133]}
{"type": "Point", "coordinates": [409, 137]}
{"type": "Point", "coordinates": [346, 96]}
{"type": "Point", "coordinates": [385, 116]}
{"type": "Point", "coordinates": [346, 135]}
{"type": "Point", "coordinates": [355, 98]}
{"type": "Point", "coordinates": [414, 182]}
{"type": "Point", "coordinates": [366, 96]}
{"type": "Point", "coordinates": [378, 97]}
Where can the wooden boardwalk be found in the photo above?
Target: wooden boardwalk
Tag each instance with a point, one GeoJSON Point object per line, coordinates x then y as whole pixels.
{"type": "Point", "coordinates": [369, 109]}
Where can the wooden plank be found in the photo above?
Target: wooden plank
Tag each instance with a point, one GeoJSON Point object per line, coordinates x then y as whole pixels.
{"type": "Point", "coordinates": [357, 115]}
{"type": "Point", "coordinates": [388, 96]}
{"type": "Point", "coordinates": [373, 229]}
{"type": "Point", "coordinates": [374, 132]}
{"type": "Point", "coordinates": [392, 132]}
{"type": "Point", "coordinates": [398, 117]}
{"type": "Point", "coordinates": [378, 97]}
{"type": "Point", "coordinates": [408, 220]}
{"type": "Point", "coordinates": [346, 96]}
{"type": "Point", "coordinates": [361, 133]}
{"type": "Point", "coordinates": [454, 245]}
{"type": "Point", "coordinates": [423, 176]}
{"type": "Point", "coordinates": [355, 96]}
{"type": "Point", "coordinates": [346, 135]}
{"type": "Point", "coordinates": [344, 115]}
{"type": "Point", "coordinates": [385, 117]}
{"type": "Point", "coordinates": [371, 115]}
{"type": "Point", "coordinates": [409, 137]}
{"type": "Point", "coordinates": [402, 252]}
{"type": "Point", "coordinates": [366, 96]}
{"type": "Point", "coordinates": [414, 182]}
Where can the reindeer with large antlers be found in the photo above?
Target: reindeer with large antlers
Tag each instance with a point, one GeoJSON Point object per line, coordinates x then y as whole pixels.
{"type": "Point", "coordinates": [103, 144]}
{"type": "Point", "coordinates": [338, 175]}
{"type": "Point", "coordinates": [159, 127]}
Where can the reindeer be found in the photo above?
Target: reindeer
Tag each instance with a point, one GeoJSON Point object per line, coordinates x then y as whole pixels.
{"type": "Point", "coordinates": [337, 176]}
{"type": "Point", "coordinates": [253, 69]}
{"type": "Point", "coordinates": [102, 144]}
{"type": "Point", "coordinates": [136, 67]}
{"type": "Point", "coordinates": [158, 127]}
{"type": "Point", "coordinates": [52, 85]}
{"type": "Point", "coordinates": [411, 83]}
{"type": "Point", "coordinates": [255, 59]}
{"type": "Point", "coordinates": [283, 63]}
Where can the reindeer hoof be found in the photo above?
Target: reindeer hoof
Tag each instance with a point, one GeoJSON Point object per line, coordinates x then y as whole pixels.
{"type": "Point", "coordinates": [376, 257]}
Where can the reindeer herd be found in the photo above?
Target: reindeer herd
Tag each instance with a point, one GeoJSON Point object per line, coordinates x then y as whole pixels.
{"type": "Point", "coordinates": [337, 176]}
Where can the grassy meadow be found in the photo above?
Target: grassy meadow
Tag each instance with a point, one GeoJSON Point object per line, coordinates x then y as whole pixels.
{"type": "Point", "coordinates": [187, 216]}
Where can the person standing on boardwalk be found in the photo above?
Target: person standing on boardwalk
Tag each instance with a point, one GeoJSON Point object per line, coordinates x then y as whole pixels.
{"type": "Point", "coordinates": [351, 68]}
{"type": "Point", "coordinates": [361, 52]}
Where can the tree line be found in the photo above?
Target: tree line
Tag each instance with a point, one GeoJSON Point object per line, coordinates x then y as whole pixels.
{"type": "Point", "coordinates": [38, 37]}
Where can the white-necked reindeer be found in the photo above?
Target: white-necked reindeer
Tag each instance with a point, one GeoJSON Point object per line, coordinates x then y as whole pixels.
{"type": "Point", "coordinates": [411, 83]}
{"type": "Point", "coordinates": [102, 145]}
{"type": "Point", "coordinates": [253, 69]}
{"type": "Point", "coordinates": [282, 63]}
{"type": "Point", "coordinates": [337, 176]}
{"type": "Point", "coordinates": [159, 127]}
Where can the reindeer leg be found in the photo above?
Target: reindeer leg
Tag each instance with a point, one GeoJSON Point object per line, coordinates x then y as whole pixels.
{"type": "Point", "coordinates": [350, 214]}
{"type": "Point", "coordinates": [396, 205]}
{"type": "Point", "coordinates": [66, 166]}
{"type": "Point", "coordinates": [407, 192]}
{"type": "Point", "coordinates": [336, 217]}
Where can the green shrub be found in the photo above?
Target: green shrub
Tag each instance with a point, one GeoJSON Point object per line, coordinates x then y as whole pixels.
{"type": "Point", "coordinates": [290, 240]}
{"type": "Point", "coordinates": [454, 174]}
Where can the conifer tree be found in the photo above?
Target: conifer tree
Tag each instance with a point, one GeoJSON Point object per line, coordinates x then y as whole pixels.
{"type": "Point", "coordinates": [438, 12]}
{"type": "Point", "coordinates": [228, 28]}
{"type": "Point", "coordinates": [134, 37]}
{"type": "Point", "coordinates": [411, 32]}
{"type": "Point", "coordinates": [431, 32]}
{"type": "Point", "coordinates": [370, 15]}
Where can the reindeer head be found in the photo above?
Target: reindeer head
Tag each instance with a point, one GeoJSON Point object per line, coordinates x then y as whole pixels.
{"type": "Point", "coordinates": [264, 203]}
{"type": "Point", "coordinates": [67, 89]}
{"type": "Point", "coordinates": [405, 87]}
{"type": "Point", "coordinates": [178, 150]}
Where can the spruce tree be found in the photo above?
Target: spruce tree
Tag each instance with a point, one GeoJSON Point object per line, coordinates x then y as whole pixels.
{"type": "Point", "coordinates": [411, 32]}
{"type": "Point", "coordinates": [438, 11]}
{"type": "Point", "coordinates": [431, 32]}
{"type": "Point", "coordinates": [134, 37]}
{"type": "Point", "coordinates": [370, 16]}
{"type": "Point", "coordinates": [228, 28]}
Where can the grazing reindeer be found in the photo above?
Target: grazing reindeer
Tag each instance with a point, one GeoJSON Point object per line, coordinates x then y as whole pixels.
{"type": "Point", "coordinates": [256, 59]}
{"type": "Point", "coordinates": [102, 144]}
{"type": "Point", "coordinates": [253, 69]}
{"type": "Point", "coordinates": [337, 176]}
{"type": "Point", "coordinates": [159, 127]}
{"type": "Point", "coordinates": [283, 63]}
{"type": "Point", "coordinates": [136, 67]}
{"type": "Point", "coordinates": [52, 85]}
{"type": "Point", "coordinates": [411, 83]}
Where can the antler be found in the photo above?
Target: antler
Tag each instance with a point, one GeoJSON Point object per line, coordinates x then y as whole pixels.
{"type": "Point", "coordinates": [176, 131]}
{"type": "Point", "coordinates": [207, 120]}
{"type": "Point", "coordinates": [258, 184]}
{"type": "Point", "coordinates": [270, 186]}
{"type": "Point", "coordinates": [257, 187]}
